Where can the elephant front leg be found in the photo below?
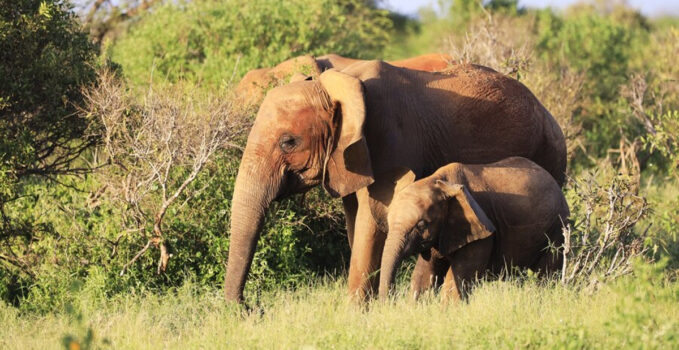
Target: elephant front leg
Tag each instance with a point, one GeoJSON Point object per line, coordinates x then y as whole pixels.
{"type": "Point", "coordinates": [350, 204]}
{"type": "Point", "coordinates": [450, 290]}
{"type": "Point", "coordinates": [466, 265]}
{"type": "Point", "coordinates": [428, 273]}
{"type": "Point", "coordinates": [366, 251]}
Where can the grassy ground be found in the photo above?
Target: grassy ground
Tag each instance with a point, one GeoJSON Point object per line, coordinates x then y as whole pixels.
{"type": "Point", "coordinates": [635, 312]}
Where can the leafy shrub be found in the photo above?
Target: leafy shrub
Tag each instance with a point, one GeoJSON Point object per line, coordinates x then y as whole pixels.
{"type": "Point", "coordinates": [665, 139]}
{"type": "Point", "coordinates": [215, 42]}
{"type": "Point", "coordinates": [656, 64]}
{"type": "Point", "coordinates": [300, 240]}
{"type": "Point", "coordinates": [601, 47]}
{"type": "Point", "coordinates": [652, 96]}
{"type": "Point", "coordinates": [45, 59]}
{"type": "Point", "coordinates": [664, 220]}
{"type": "Point", "coordinates": [497, 42]}
{"type": "Point", "coordinates": [586, 41]}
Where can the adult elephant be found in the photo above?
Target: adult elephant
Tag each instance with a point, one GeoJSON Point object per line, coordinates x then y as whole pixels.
{"type": "Point", "coordinates": [255, 82]}
{"type": "Point", "coordinates": [350, 130]}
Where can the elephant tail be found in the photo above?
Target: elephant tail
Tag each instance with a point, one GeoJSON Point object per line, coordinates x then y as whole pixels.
{"type": "Point", "coordinates": [551, 152]}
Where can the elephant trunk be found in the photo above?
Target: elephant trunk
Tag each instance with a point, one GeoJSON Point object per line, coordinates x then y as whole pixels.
{"type": "Point", "coordinates": [391, 258]}
{"type": "Point", "coordinates": [255, 188]}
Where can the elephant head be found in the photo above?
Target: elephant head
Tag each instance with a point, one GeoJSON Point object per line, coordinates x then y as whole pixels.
{"type": "Point", "coordinates": [306, 133]}
{"type": "Point", "coordinates": [256, 82]}
{"type": "Point", "coordinates": [432, 212]}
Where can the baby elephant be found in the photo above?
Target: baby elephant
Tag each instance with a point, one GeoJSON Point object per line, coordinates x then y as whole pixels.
{"type": "Point", "coordinates": [479, 218]}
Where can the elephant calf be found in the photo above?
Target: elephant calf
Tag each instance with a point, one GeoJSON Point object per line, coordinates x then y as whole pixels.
{"type": "Point", "coordinates": [479, 218]}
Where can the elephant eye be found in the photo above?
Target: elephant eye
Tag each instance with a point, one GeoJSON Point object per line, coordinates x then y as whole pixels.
{"type": "Point", "coordinates": [288, 143]}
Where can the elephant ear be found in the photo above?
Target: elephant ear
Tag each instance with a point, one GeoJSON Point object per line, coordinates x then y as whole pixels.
{"type": "Point", "coordinates": [348, 165]}
{"type": "Point", "coordinates": [405, 178]}
{"type": "Point", "coordinates": [466, 221]}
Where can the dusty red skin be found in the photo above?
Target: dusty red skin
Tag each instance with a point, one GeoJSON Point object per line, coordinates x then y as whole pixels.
{"type": "Point", "coordinates": [251, 88]}
{"type": "Point", "coordinates": [370, 112]}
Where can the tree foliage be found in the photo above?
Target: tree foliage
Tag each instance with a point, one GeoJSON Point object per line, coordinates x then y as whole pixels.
{"type": "Point", "coordinates": [45, 59]}
{"type": "Point", "coordinates": [215, 42]}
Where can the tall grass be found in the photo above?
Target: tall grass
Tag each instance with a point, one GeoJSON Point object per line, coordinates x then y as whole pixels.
{"type": "Point", "coordinates": [635, 311]}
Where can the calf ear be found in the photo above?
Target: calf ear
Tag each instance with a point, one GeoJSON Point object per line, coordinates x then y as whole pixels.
{"type": "Point", "coordinates": [387, 185]}
{"type": "Point", "coordinates": [404, 178]}
{"type": "Point", "coordinates": [348, 167]}
{"type": "Point", "coordinates": [466, 221]}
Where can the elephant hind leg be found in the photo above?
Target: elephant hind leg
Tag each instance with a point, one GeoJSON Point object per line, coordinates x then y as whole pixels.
{"type": "Point", "coordinates": [551, 258]}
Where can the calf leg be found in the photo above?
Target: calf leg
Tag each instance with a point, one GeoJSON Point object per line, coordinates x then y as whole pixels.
{"type": "Point", "coordinates": [466, 265]}
{"type": "Point", "coordinates": [428, 273]}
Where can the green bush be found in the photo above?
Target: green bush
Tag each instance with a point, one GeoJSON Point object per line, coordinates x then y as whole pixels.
{"type": "Point", "coordinates": [602, 47]}
{"type": "Point", "coordinates": [664, 222]}
{"type": "Point", "coordinates": [87, 242]}
{"type": "Point", "coordinates": [45, 59]}
{"type": "Point", "coordinates": [596, 45]}
{"type": "Point", "coordinates": [214, 42]}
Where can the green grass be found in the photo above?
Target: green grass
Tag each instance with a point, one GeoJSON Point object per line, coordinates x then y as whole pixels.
{"type": "Point", "coordinates": [635, 312]}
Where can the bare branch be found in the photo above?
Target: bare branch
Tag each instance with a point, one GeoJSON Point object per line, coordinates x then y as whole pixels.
{"type": "Point", "coordinates": [158, 148]}
{"type": "Point", "coordinates": [607, 240]}
{"type": "Point", "coordinates": [136, 257]}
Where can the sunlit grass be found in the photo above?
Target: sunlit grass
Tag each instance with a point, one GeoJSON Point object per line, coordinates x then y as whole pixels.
{"type": "Point", "coordinates": [634, 312]}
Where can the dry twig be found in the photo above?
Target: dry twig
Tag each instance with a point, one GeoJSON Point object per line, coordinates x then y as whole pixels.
{"type": "Point", "coordinates": [157, 149]}
{"type": "Point", "coordinates": [603, 244]}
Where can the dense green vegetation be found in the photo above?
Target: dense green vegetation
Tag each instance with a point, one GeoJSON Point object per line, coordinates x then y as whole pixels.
{"type": "Point", "coordinates": [71, 227]}
{"type": "Point", "coordinates": [214, 42]}
{"type": "Point", "coordinates": [45, 59]}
